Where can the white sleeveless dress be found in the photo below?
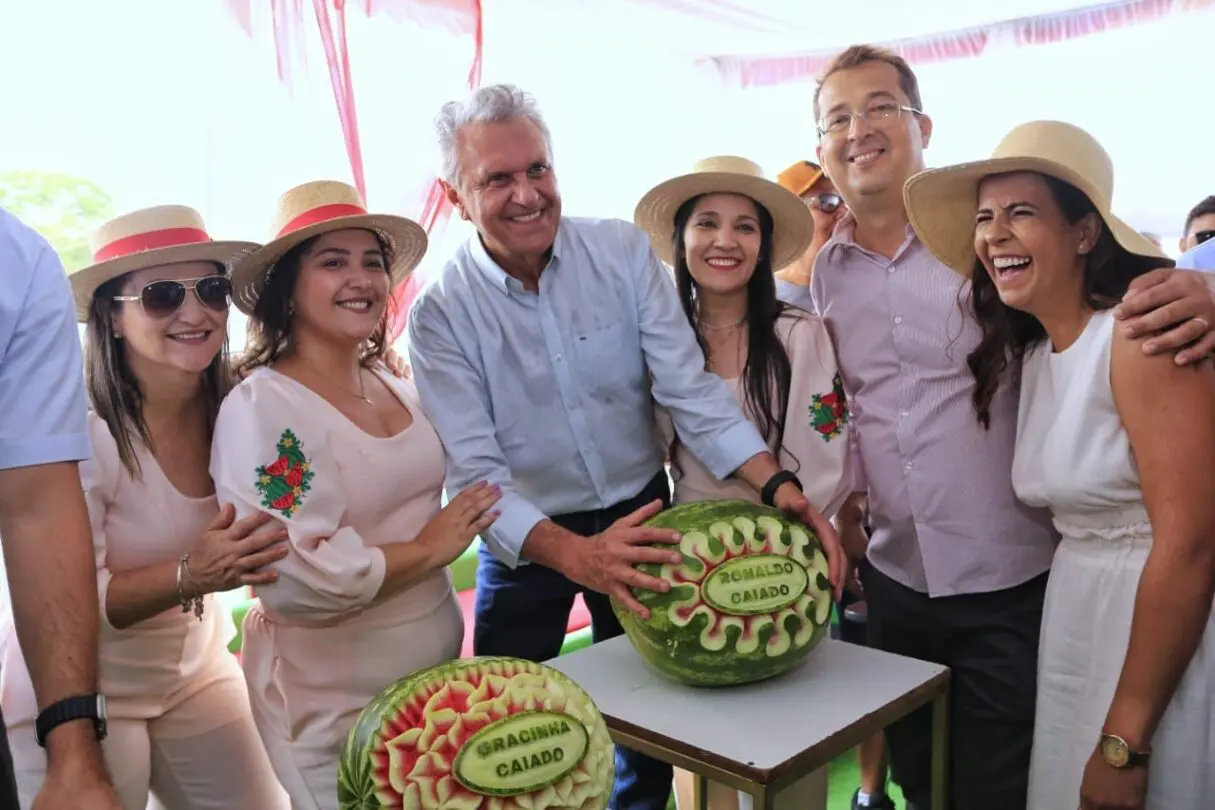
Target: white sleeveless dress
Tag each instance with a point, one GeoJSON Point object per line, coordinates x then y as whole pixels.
{"type": "Point", "coordinates": [1074, 457]}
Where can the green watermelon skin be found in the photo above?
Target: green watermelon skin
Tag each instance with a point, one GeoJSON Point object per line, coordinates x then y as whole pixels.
{"type": "Point", "coordinates": [402, 749]}
{"type": "Point", "coordinates": [687, 639]}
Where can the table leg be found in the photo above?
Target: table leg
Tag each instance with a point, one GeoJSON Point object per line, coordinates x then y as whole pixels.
{"type": "Point", "coordinates": [940, 751]}
{"type": "Point", "coordinates": [700, 792]}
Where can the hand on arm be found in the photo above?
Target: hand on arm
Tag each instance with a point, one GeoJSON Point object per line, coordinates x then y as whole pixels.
{"type": "Point", "coordinates": [1169, 414]}
{"type": "Point", "coordinates": [1174, 310]}
{"type": "Point", "coordinates": [230, 554]}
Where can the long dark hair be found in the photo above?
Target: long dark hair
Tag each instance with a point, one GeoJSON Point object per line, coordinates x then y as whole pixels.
{"type": "Point", "coordinates": [114, 390]}
{"type": "Point", "coordinates": [271, 327]}
{"type": "Point", "coordinates": [1008, 334]}
{"type": "Point", "coordinates": [767, 373]}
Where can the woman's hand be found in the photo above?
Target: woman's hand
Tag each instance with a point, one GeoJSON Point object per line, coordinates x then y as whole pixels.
{"type": "Point", "coordinates": [1107, 788]}
{"type": "Point", "coordinates": [468, 514]}
{"type": "Point", "coordinates": [396, 364]}
{"type": "Point", "coordinates": [230, 554]}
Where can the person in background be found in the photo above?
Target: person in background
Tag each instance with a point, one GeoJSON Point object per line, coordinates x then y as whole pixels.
{"type": "Point", "coordinates": [1117, 445]}
{"type": "Point", "coordinates": [722, 228]}
{"type": "Point", "coordinates": [339, 452]}
{"type": "Point", "coordinates": [1199, 225]}
{"type": "Point", "coordinates": [539, 351]}
{"type": "Point", "coordinates": [44, 523]}
{"type": "Point", "coordinates": [156, 303]}
{"type": "Point", "coordinates": [956, 571]}
{"type": "Point", "coordinates": [810, 182]}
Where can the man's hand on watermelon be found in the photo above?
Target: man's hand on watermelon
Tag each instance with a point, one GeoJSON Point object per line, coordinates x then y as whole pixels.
{"type": "Point", "coordinates": [790, 500]}
{"type": "Point", "coordinates": [605, 562]}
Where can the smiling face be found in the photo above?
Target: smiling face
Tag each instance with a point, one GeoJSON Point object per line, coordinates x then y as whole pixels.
{"type": "Point", "coordinates": [875, 155]}
{"type": "Point", "coordinates": [1032, 254]}
{"type": "Point", "coordinates": [507, 189]}
{"type": "Point", "coordinates": [189, 338]}
{"type": "Point", "coordinates": [342, 287]}
{"type": "Point", "coordinates": [722, 241]}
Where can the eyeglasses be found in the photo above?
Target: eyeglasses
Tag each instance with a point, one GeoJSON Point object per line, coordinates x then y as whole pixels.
{"type": "Point", "coordinates": [162, 298]}
{"type": "Point", "coordinates": [1203, 236]}
{"type": "Point", "coordinates": [827, 203]}
{"type": "Point", "coordinates": [837, 123]}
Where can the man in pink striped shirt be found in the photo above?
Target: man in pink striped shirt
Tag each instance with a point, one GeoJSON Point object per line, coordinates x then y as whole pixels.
{"type": "Point", "coordinates": [956, 568]}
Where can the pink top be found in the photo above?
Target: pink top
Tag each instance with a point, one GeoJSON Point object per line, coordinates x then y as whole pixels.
{"type": "Point", "coordinates": [945, 518]}
{"type": "Point", "coordinates": [816, 440]}
{"type": "Point", "coordinates": [317, 649]}
{"type": "Point", "coordinates": [341, 493]}
{"type": "Point", "coordinates": [151, 666]}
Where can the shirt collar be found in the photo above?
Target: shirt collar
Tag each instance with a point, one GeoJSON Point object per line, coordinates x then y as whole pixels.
{"type": "Point", "coordinates": [493, 271]}
{"type": "Point", "coordinates": [844, 237]}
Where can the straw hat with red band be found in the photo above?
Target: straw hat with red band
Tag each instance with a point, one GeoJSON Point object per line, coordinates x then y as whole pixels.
{"type": "Point", "coordinates": [942, 203]}
{"type": "Point", "coordinates": [313, 209]}
{"type": "Point", "coordinates": [149, 237]}
{"type": "Point", "coordinates": [792, 222]}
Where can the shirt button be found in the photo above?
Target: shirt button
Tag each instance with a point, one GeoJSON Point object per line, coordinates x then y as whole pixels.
{"type": "Point", "coordinates": [890, 269]}
{"type": "Point", "coordinates": [557, 357]}
{"type": "Point", "coordinates": [898, 319]}
{"type": "Point", "coordinates": [905, 414]}
{"type": "Point", "coordinates": [908, 465]}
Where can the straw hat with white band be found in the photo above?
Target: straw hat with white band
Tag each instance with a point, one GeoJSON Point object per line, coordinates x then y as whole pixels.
{"type": "Point", "coordinates": [941, 203]}
{"type": "Point", "coordinates": [149, 237]}
{"type": "Point", "coordinates": [319, 207]}
{"type": "Point", "coordinates": [792, 222]}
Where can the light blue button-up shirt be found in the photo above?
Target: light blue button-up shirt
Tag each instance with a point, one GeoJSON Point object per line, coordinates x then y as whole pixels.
{"type": "Point", "coordinates": [43, 411]}
{"type": "Point", "coordinates": [1199, 258]}
{"type": "Point", "coordinates": [551, 394]}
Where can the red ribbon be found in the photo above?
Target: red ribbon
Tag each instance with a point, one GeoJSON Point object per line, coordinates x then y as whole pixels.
{"type": "Point", "coordinates": [322, 213]}
{"type": "Point", "coordinates": [152, 240]}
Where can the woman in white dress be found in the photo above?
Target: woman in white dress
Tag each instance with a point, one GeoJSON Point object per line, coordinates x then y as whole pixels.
{"type": "Point", "coordinates": [1118, 444]}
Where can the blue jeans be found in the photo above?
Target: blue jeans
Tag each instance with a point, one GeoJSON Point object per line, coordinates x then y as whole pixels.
{"type": "Point", "coordinates": [523, 612]}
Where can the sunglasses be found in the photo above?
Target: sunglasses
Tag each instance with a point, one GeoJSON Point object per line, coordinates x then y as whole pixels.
{"type": "Point", "coordinates": [162, 298]}
{"type": "Point", "coordinates": [1203, 236]}
{"type": "Point", "coordinates": [827, 203]}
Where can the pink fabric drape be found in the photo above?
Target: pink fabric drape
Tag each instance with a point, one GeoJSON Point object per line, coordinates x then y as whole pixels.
{"type": "Point", "coordinates": [461, 17]}
{"type": "Point", "coordinates": [772, 70]}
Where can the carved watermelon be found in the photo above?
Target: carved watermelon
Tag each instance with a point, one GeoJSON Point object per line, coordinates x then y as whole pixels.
{"type": "Point", "coordinates": [750, 600]}
{"type": "Point", "coordinates": [479, 734]}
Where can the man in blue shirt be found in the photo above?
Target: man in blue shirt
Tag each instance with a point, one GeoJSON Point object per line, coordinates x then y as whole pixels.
{"type": "Point", "coordinates": [538, 353]}
{"type": "Point", "coordinates": [44, 524]}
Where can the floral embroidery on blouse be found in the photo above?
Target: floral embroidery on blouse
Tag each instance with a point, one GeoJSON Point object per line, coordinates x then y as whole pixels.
{"type": "Point", "coordinates": [829, 412]}
{"type": "Point", "coordinates": [284, 482]}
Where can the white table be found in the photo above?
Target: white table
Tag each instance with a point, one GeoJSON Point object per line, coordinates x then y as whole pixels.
{"type": "Point", "coordinates": [761, 738]}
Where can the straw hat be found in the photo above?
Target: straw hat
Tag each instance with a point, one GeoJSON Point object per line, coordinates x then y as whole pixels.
{"type": "Point", "coordinates": [941, 203]}
{"type": "Point", "coordinates": [793, 224]}
{"type": "Point", "coordinates": [149, 237]}
{"type": "Point", "coordinates": [319, 207]}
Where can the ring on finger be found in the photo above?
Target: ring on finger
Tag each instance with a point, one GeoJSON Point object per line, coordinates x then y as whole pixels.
{"type": "Point", "coordinates": [1205, 323]}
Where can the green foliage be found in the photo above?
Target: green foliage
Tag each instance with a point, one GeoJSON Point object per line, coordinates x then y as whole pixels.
{"type": "Point", "coordinates": [63, 208]}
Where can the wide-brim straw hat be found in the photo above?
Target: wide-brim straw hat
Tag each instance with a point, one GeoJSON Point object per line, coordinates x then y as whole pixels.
{"type": "Point", "coordinates": [792, 222]}
{"type": "Point", "coordinates": [149, 237]}
{"type": "Point", "coordinates": [316, 208]}
{"type": "Point", "coordinates": [941, 203]}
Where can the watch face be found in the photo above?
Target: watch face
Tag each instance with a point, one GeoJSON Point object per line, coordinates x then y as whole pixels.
{"type": "Point", "coordinates": [1115, 752]}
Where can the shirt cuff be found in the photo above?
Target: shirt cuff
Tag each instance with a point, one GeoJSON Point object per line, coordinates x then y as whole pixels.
{"type": "Point", "coordinates": [506, 536]}
{"type": "Point", "coordinates": [33, 451]}
{"type": "Point", "coordinates": [733, 449]}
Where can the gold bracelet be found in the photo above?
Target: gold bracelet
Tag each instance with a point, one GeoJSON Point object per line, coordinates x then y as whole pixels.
{"type": "Point", "coordinates": [183, 575]}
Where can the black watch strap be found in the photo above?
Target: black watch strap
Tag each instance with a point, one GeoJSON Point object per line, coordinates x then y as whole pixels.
{"type": "Point", "coordinates": [77, 707]}
{"type": "Point", "coordinates": [768, 493]}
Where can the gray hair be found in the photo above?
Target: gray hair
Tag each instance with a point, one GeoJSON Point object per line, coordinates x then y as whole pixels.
{"type": "Point", "coordinates": [492, 104]}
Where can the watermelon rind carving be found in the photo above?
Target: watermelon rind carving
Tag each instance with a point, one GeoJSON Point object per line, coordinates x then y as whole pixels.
{"type": "Point", "coordinates": [749, 602]}
{"type": "Point", "coordinates": [488, 733]}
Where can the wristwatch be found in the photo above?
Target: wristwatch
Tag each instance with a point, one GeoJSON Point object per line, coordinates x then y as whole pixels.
{"type": "Point", "coordinates": [76, 707]}
{"type": "Point", "coordinates": [1117, 753]}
